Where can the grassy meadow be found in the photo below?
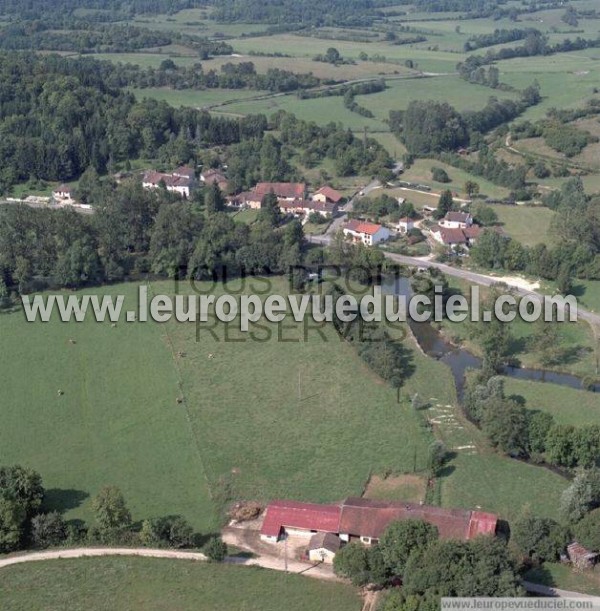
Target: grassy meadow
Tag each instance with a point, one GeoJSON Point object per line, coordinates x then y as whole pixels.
{"type": "Point", "coordinates": [150, 584]}
{"type": "Point", "coordinates": [566, 405]}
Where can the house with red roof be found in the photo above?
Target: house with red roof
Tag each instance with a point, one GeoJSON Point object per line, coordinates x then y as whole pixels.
{"type": "Point", "coordinates": [327, 195]}
{"type": "Point", "coordinates": [366, 520]}
{"type": "Point", "coordinates": [297, 518]}
{"type": "Point", "coordinates": [367, 233]}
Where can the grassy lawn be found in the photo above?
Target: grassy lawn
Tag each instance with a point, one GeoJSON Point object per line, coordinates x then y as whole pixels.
{"type": "Point", "coordinates": [567, 405]}
{"type": "Point", "coordinates": [562, 576]}
{"type": "Point", "coordinates": [148, 584]}
{"type": "Point", "coordinates": [529, 225]}
{"type": "Point", "coordinates": [246, 216]}
{"type": "Point", "coordinates": [117, 422]}
{"type": "Point", "coordinates": [588, 293]}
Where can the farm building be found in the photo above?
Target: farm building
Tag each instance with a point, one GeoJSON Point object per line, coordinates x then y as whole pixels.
{"type": "Point", "coordinates": [366, 520]}
{"type": "Point", "coordinates": [296, 518]}
{"type": "Point", "coordinates": [367, 233]}
{"type": "Point", "coordinates": [323, 547]}
{"type": "Point", "coordinates": [327, 195]}
{"type": "Point", "coordinates": [456, 220]}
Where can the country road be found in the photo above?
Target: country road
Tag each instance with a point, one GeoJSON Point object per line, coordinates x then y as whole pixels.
{"type": "Point", "coordinates": [483, 280]}
{"type": "Point", "coordinates": [292, 566]}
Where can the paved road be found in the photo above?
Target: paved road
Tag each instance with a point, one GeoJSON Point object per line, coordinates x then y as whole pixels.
{"type": "Point", "coordinates": [473, 277]}
{"type": "Point", "coordinates": [482, 280]}
{"type": "Point", "coordinates": [538, 588]}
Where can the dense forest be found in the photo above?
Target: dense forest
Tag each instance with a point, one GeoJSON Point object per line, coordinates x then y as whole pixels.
{"type": "Point", "coordinates": [58, 117]}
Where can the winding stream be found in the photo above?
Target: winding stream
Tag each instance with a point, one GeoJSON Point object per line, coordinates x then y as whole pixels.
{"type": "Point", "coordinates": [459, 360]}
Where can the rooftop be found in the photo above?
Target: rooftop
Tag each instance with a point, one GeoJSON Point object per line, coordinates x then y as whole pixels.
{"type": "Point", "coordinates": [362, 227]}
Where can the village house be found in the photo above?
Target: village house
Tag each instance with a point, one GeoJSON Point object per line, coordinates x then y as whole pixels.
{"type": "Point", "coordinates": [284, 191]}
{"type": "Point", "coordinates": [327, 195]}
{"type": "Point", "coordinates": [62, 192]}
{"type": "Point", "coordinates": [365, 520]}
{"type": "Point", "coordinates": [456, 220]}
{"type": "Point", "coordinates": [305, 207]}
{"type": "Point", "coordinates": [210, 176]}
{"type": "Point", "coordinates": [181, 181]}
{"type": "Point", "coordinates": [453, 237]}
{"type": "Point", "coordinates": [405, 224]}
{"type": "Point", "coordinates": [367, 233]}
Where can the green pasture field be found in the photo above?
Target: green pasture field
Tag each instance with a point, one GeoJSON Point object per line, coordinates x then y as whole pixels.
{"type": "Point", "coordinates": [563, 576]}
{"type": "Point", "coordinates": [451, 89]}
{"type": "Point", "coordinates": [529, 225]}
{"type": "Point", "coordinates": [286, 418]}
{"type": "Point", "coordinates": [566, 80]}
{"type": "Point", "coordinates": [320, 110]}
{"type": "Point", "coordinates": [566, 405]}
{"type": "Point", "coordinates": [420, 172]}
{"type": "Point", "coordinates": [195, 99]}
{"type": "Point", "coordinates": [116, 423]}
{"type": "Point", "coordinates": [302, 46]}
{"type": "Point", "coordinates": [151, 584]}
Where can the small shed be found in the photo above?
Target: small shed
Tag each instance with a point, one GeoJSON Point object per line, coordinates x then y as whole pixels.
{"type": "Point", "coordinates": [323, 547]}
{"type": "Point", "coordinates": [581, 557]}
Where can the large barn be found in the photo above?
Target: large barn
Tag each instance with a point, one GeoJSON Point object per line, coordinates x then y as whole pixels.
{"type": "Point", "coordinates": [367, 519]}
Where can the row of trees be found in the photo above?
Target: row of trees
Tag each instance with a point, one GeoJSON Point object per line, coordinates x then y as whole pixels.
{"type": "Point", "coordinates": [231, 76]}
{"type": "Point", "coordinates": [526, 433]}
{"type": "Point", "coordinates": [24, 523]}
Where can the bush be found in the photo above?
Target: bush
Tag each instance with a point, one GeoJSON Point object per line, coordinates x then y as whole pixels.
{"type": "Point", "coordinates": [440, 175]}
{"type": "Point", "coordinates": [541, 539]}
{"type": "Point", "coordinates": [48, 529]}
{"type": "Point", "coordinates": [172, 531]}
{"type": "Point", "coordinates": [215, 549]}
{"type": "Point", "coordinates": [587, 532]}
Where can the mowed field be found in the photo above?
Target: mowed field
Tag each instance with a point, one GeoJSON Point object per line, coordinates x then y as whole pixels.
{"type": "Point", "coordinates": [116, 423]}
{"type": "Point", "coordinates": [149, 584]}
{"type": "Point", "coordinates": [267, 418]}
{"type": "Point", "coordinates": [529, 225]}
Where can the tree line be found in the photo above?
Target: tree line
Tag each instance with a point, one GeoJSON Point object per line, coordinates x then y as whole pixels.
{"type": "Point", "coordinates": [134, 231]}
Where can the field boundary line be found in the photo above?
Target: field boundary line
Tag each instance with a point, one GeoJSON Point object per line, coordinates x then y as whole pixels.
{"type": "Point", "coordinates": [185, 404]}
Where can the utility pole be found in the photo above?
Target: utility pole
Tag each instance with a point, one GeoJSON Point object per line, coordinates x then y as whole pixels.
{"type": "Point", "coordinates": [299, 385]}
{"type": "Point", "coordinates": [285, 553]}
